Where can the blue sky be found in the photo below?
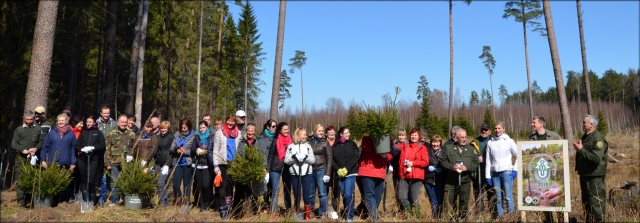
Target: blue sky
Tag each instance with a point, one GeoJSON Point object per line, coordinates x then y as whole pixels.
{"type": "Point", "coordinates": [360, 50]}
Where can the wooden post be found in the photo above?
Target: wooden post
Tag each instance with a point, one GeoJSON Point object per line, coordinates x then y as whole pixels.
{"type": "Point", "coordinates": [523, 216]}
{"type": "Point", "coordinates": [565, 216]}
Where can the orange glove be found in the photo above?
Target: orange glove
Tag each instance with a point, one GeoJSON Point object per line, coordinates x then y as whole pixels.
{"type": "Point", "coordinates": [217, 181]}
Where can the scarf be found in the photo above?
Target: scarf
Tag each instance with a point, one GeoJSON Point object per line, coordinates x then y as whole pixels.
{"type": "Point", "coordinates": [342, 140]}
{"type": "Point", "coordinates": [250, 142]}
{"type": "Point", "coordinates": [76, 131]}
{"type": "Point", "coordinates": [315, 140]}
{"type": "Point", "coordinates": [230, 133]}
{"type": "Point", "coordinates": [269, 133]}
{"type": "Point", "coordinates": [145, 135]}
{"type": "Point", "coordinates": [281, 145]}
{"type": "Point", "coordinates": [62, 130]}
{"type": "Point", "coordinates": [204, 137]}
{"type": "Point", "coordinates": [180, 142]}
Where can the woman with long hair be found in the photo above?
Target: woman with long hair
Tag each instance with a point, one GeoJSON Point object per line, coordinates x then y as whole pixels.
{"type": "Point", "coordinates": [345, 163]}
{"type": "Point", "coordinates": [183, 151]}
{"type": "Point", "coordinates": [277, 167]}
{"type": "Point", "coordinates": [414, 159]}
{"type": "Point", "coordinates": [321, 167]}
{"type": "Point", "coordinates": [333, 183]}
{"type": "Point", "coordinates": [299, 157]}
{"type": "Point", "coordinates": [264, 142]}
{"type": "Point", "coordinates": [225, 146]}
{"type": "Point", "coordinates": [91, 143]}
{"type": "Point", "coordinates": [500, 171]}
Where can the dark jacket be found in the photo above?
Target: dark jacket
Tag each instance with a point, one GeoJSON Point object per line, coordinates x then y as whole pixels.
{"type": "Point", "coordinates": [63, 145]}
{"type": "Point", "coordinates": [91, 137]}
{"type": "Point", "coordinates": [164, 145]}
{"type": "Point", "coordinates": [346, 155]}
{"type": "Point", "coordinates": [273, 162]}
{"type": "Point", "coordinates": [244, 144]}
{"type": "Point", "coordinates": [451, 154]}
{"type": "Point", "coordinates": [395, 161]}
{"type": "Point", "coordinates": [591, 160]}
{"type": "Point", "coordinates": [27, 137]}
{"type": "Point", "coordinates": [145, 149]}
{"type": "Point", "coordinates": [549, 135]}
{"type": "Point", "coordinates": [439, 176]}
{"type": "Point", "coordinates": [323, 154]}
{"type": "Point", "coordinates": [200, 159]}
{"type": "Point", "coordinates": [264, 143]}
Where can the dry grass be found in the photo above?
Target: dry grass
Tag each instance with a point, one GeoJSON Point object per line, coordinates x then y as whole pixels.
{"type": "Point", "coordinates": [617, 173]}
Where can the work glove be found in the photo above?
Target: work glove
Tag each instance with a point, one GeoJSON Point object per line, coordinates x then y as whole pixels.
{"type": "Point", "coordinates": [432, 168]}
{"type": "Point", "coordinates": [33, 161]}
{"type": "Point", "coordinates": [300, 157]}
{"type": "Point", "coordinates": [489, 182]}
{"type": "Point", "coordinates": [390, 168]}
{"type": "Point", "coordinates": [514, 175]}
{"type": "Point", "coordinates": [129, 158]}
{"type": "Point", "coordinates": [342, 172]}
{"type": "Point", "coordinates": [326, 179]}
{"type": "Point", "coordinates": [217, 181]}
{"type": "Point", "coordinates": [266, 178]}
{"type": "Point", "coordinates": [164, 170]}
{"type": "Point", "coordinates": [142, 163]}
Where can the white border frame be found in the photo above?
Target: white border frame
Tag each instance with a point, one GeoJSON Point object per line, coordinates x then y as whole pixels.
{"type": "Point", "coordinates": [566, 174]}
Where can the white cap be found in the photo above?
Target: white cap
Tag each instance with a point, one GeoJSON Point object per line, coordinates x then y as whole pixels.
{"type": "Point", "coordinates": [40, 109]}
{"type": "Point", "coordinates": [240, 113]}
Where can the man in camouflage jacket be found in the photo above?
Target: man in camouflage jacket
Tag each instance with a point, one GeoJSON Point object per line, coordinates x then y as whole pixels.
{"type": "Point", "coordinates": [119, 142]}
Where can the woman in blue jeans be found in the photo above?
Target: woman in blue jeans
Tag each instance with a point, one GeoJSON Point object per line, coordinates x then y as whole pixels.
{"type": "Point", "coordinates": [500, 171]}
{"type": "Point", "coordinates": [345, 164]}
{"type": "Point", "coordinates": [435, 177]}
{"type": "Point", "coordinates": [300, 158]}
{"type": "Point", "coordinates": [277, 168]}
{"type": "Point", "coordinates": [321, 167]}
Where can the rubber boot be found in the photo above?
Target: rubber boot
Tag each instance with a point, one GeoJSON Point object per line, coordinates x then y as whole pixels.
{"type": "Point", "coordinates": [84, 205]}
{"type": "Point", "coordinates": [307, 212]}
{"type": "Point", "coordinates": [407, 208]}
{"type": "Point", "coordinates": [224, 210]}
{"type": "Point", "coordinates": [416, 213]}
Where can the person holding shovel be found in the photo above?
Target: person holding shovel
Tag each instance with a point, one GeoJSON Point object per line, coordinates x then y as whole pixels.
{"type": "Point", "coordinates": [146, 147]}
{"type": "Point", "coordinates": [300, 157]}
{"type": "Point", "coordinates": [459, 160]}
{"type": "Point", "coordinates": [183, 150]}
{"type": "Point", "coordinates": [91, 145]}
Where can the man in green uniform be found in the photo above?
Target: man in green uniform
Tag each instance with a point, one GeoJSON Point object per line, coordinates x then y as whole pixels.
{"type": "Point", "coordinates": [460, 161]}
{"type": "Point", "coordinates": [27, 140]}
{"type": "Point", "coordinates": [539, 134]}
{"type": "Point", "coordinates": [452, 135]}
{"type": "Point", "coordinates": [119, 143]}
{"type": "Point", "coordinates": [591, 164]}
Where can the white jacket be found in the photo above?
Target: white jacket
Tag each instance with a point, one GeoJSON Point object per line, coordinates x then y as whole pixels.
{"type": "Point", "coordinates": [500, 150]}
{"type": "Point", "coordinates": [299, 148]}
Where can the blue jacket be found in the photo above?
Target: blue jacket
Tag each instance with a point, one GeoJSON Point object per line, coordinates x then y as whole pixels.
{"type": "Point", "coordinates": [63, 145]}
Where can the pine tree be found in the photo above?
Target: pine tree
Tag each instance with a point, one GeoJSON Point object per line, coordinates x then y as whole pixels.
{"type": "Point", "coordinates": [283, 93]}
{"type": "Point", "coordinates": [603, 127]}
{"type": "Point", "coordinates": [252, 57]}
{"type": "Point", "coordinates": [488, 118]}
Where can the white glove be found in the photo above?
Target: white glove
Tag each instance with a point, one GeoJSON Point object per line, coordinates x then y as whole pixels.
{"type": "Point", "coordinates": [34, 159]}
{"type": "Point", "coordinates": [326, 179]}
{"type": "Point", "coordinates": [193, 165]}
{"type": "Point", "coordinates": [129, 158]}
{"type": "Point", "coordinates": [87, 149]}
{"type": "Point", "coordinates": [300, 157]}
{"type": "Point", "coordinates": [142, 163]}
{"type": "Point", "coordinates": [165, 170]}
{"type": "Point", "coordinates": [199, 151]}
{"type": "Point", "coordinates": [390, 168]}
{"type": "Point", "coordinates": [266, 178]}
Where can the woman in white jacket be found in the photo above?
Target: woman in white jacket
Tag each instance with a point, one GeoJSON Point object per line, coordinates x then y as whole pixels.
{"type": "Point", "coordinates": [300, 156]}
{"type": "Point", "coordinates": [500, 170]}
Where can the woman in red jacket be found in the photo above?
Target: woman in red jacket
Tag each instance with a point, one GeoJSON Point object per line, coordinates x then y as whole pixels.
{"type": "Point", "coordinates": [372, 170]}
{"type": "Point", "coordinates": [414, 159]}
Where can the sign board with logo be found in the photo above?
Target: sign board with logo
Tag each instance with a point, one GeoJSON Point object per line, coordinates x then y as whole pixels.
{"type": "Point", "coordinates": [543, 176]}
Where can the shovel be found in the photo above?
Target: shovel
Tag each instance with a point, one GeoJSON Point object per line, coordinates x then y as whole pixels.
{"type": "Point", "coordinates": [86, 204]}
{"type": "Point", "coordinates": [299, 213]}
{"type": "Point", "coordinates": [186, 199]}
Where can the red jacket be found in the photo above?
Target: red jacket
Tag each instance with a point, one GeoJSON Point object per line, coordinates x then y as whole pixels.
{"type": "Point", "coordinates": [419, 155]}
{"type": "Point", "coordinates": [372, 164]}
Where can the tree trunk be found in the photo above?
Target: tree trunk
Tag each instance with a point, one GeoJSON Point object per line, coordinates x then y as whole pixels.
{"type": "Point", "coordinates": [199, 64]}
{"type": "Point", "coordinates": [585, 69]}
{"type": "Point", "coordinates": [73, 65]}
{"type": "Point", "coordinates": [526, 58]}
{"type": "Point", "coordinates": [557, 71]}
{"type": "Point", "coordinates": [140, 68]}
{"type": "Point", "coordinates": [100, 66]}
{"type": "Point", "coordinates": [40, 67]}
{"type": "Point", "coordinates": [273, 112]}
{"type": "Point", "coordinates": [215, 85]}
{"type": "Point", "coordinates": [492, 98]}
{"type": "Point", "coordinates": [110, 55]}
{"type": "Point", "coordinates": [302, 90]}
{"type": "Point", "coordinates": [133, 67]}
{"type": "Point", "coordinates": [450, 64]}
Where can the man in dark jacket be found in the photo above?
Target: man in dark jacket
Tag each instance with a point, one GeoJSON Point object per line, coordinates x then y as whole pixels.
{"type": "Point", "coordinates": [27, 140]}
{"type": "Point", "coordinates": [591, 164]}
{"type": "Point", "coordinates": [480, 187]}
{"type": "Point", "coordinates": [59, 148]}
{"type": "Point", "coordinates": [459, 160]}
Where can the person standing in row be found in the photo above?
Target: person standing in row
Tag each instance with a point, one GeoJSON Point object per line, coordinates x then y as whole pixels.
{"type": "Point", "coordinates": [539, 134]}
{"type": "Point", "coordinates": [321, 168]}
{"type": "Point", "coordinates": [183, 151]}
{"type": "Point", "coordinates": [225, 146]}
{"type": "Point", "coordinates": [204, 160]}
{"type": "Point", "coordinates": [59, 149]}
{"type": "Point", "coordinates": [459, 160]}
{"type": "Point", "coordinates": [500, 172]}
{"type": "Point", "coordinates": [394, 167]}
{"type": "Point", "coordinates": [372, 169]}
{"type": "Point", "coordinates": [299, 157]}
{"type": "Point", "coordinates": [162, 161]}
{"type": "Point", "coordinates": [435, 177]}
{"type": "Point", "coordinates": [345, 164]}
{"type": "Point", "coordinates": [277, 168]}
{"type": "Point", "coordinates": [27, 140]}
{"type": "Point", "coordinates": [146, 147]}
{"type": "Point", "coordinates": [480, 187]}
{"type": "Point", "coordinates": [414, 158]}
{"type": "Point", "coordinates": [105, 124]}
{"type": "Point", "coordinates": [91, 145]}
{"type": "Point", "coordinates": [264, 142]}
{"type": "Point", "coordinates": [118, 142]}
{"type": "Point", "coordinates": [333, 182]}
{"type": "Point", "coordinates": [243, 198]}
{"type": "Point", "coordinates": [591, 164]}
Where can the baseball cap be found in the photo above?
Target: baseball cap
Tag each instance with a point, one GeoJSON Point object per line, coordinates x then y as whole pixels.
{"type": "Point", "coordinates": [484, 126]}
{"type": "Point", "coordinates": [240, 113]}
{"type": "Point", "coordinates": [40, 109]}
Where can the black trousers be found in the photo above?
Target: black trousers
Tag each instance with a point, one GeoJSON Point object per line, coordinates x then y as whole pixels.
{"type": "Point", "coordinates": [93, 173]}
{"type": "Point", "coordinates": [182, 176]}
{"type": "Point", "coordinates": [204, 187]}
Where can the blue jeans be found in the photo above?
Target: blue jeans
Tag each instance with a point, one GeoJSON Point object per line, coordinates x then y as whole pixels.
{"type": "Point", "coordinates": [307, 188]}
{"type": "Point", "coordinates": [503, 184]}
{"type": "Point", "coordinates": [322, 191]}
{"type": "Point", "coordinates": [436, 197]}
{"type": "Point", "coordinates": [274, 180]}
{"type": "Point", "coordinates": [347, 186]}
{"type": "Point", "coordinates": [105, 187]}
{"type": "Point", "coordinates": [115, 173]}
{"type": "Point", "coordinates": [372, 189]}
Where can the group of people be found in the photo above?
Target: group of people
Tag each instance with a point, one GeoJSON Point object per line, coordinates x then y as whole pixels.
{"type": "Point", "coordinates": [325, 162]}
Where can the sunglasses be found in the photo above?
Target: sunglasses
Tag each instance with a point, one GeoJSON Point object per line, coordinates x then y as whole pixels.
{"type": "Point", "coordinates": [242, 117]}
{"type": "Point", "coordinates": [273, 126]}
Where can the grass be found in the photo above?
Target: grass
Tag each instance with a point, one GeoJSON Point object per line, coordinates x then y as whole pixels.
{"type": "Point", "coordinates": [617, 173]}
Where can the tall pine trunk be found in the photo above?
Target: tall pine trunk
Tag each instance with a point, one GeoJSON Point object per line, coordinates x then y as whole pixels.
{"type": "Point", "coordinates": [140, 68]}
{"type": "Point", "coordinates": [215, 85]}
{"type": "Point", "coordinates": [273, 112]}
{"type": "Point", "coordinates": [73, 66]}
{"type": "Point", "coordinates": [199, 64]}
{"type": "Point", "coordinates": [526, 58]}
{"type": "Point", "coordinates": [585, 69]}
{"type": "Point", "coordinates": [450, 65]}
{"type": "Point", "coordinates": [302, 90]}
{"type": "Point", "coordinates": [557, 71]}
{"type": "Point", "coordinates": [40, 67]}
{"type": "Point", "coordinates": [110, 55]}
{"type": "Point", "coordinates": [133, 67]}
